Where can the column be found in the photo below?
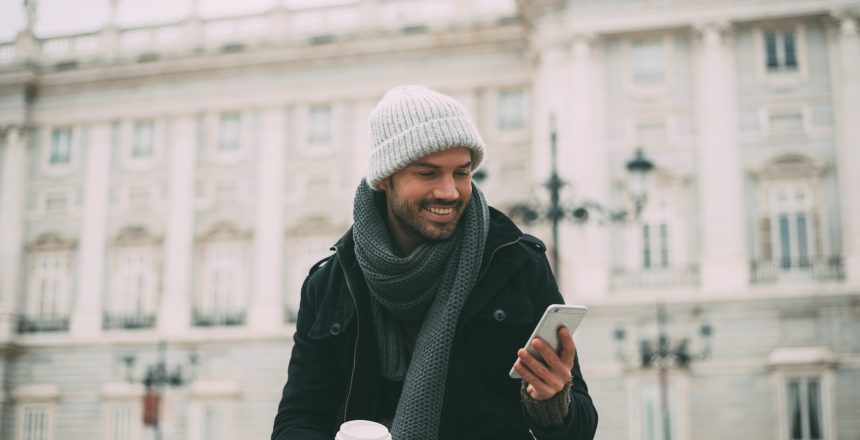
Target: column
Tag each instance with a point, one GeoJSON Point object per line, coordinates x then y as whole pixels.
{"type": "Point", "coordinates": [110, 37]}
{"type": "Point", "coordinates": [13, 193]}
{"type": "Point", "coordinates": [847, 65]}
{"type": "Point", "coordinates": [548, 100]}
{"type": "Point", "coordinates": [267, 308]}
{"type": "Point", "coordinates": [724, 256]}
{"type": "Point", "coordinates": [174, 315]}
{"type": "Point", "coordinates": [583, 161]}
{"type": "Point", "coordinates": [86, 319]}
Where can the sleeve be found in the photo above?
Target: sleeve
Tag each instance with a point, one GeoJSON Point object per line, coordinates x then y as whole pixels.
{"type": "Point", "coordinates": [314, 389]}
{"type": "Point", "coordinates": [581, 421]}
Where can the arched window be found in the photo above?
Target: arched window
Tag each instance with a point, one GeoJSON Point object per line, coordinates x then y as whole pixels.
{"type": "Point", "coordinates": [789, 234]}
{"type": "Point", "coordinates": [50, 281]}
{"type": "Point", "coordinates": [223, 277]}
{"type": "Point", "coordinates": [132, 297]}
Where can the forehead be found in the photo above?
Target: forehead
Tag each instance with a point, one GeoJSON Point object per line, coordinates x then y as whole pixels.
{"type": "Point", "coordinates": [452, 157]}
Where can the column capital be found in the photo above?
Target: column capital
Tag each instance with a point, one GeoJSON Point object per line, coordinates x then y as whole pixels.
{"type": "Point", "coordinates": [712, 31]}
{"type": "Point", "coordinates": [846, 20]}
{"type": "Point", "coordinates": [581, 44]}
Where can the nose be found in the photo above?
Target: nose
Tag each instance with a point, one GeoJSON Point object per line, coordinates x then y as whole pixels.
{"type": "Point", "coordinates": [446, 189]}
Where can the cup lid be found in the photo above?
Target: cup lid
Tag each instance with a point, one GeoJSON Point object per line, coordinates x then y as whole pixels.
{"type": "Point", "coordinates": [364, 430]}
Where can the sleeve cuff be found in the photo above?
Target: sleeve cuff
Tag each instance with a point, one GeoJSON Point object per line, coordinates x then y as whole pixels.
{"type": "Point", "coordinates": [547, 413]}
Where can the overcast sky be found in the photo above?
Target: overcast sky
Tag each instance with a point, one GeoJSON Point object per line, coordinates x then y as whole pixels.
{"type": "Point", "coordinates": [58, 17]}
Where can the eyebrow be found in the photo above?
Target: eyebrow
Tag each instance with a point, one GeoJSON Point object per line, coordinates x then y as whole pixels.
{"type": "Point", "coordinates": [436, 167]}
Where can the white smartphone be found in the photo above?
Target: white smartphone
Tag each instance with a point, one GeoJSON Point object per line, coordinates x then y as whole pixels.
{"type": "Point", "coordinates": [554, 317]}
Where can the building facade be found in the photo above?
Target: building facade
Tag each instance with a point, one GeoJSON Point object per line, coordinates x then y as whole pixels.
{"type": "Point", "coordinates": [164, 190]}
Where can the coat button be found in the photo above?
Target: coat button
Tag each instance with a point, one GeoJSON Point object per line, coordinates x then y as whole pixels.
{"type": "Point", "coordinates": [500, 315]}
{"type": "Point", "coordinates": [335, 329]}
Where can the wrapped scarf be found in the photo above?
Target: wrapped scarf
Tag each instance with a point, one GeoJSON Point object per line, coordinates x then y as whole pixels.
{"type": "Point", "coordinates": [431, 286]}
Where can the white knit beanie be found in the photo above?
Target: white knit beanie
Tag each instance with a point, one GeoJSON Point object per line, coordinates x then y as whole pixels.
{"type": "Point", "coordinates": [413, 121]}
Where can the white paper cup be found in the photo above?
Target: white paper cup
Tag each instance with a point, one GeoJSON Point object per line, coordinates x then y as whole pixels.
{"type": "Point", "coordinates": [362, 430]}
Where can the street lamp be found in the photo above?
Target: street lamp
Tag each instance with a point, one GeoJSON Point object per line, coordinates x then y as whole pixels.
{"type": "Point", "coordinates": [664, 353]}
{"type": "Point", "coordinates": [156, 377]}
{"type": "Point", "coordinates": [639, 169]}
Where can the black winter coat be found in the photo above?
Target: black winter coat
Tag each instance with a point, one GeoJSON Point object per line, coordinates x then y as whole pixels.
{"type": "Point", "coordinates": [334, 373]}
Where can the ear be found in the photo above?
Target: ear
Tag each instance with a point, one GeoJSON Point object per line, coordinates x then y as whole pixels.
{"type": "Point", "coordinates": [384, 185]}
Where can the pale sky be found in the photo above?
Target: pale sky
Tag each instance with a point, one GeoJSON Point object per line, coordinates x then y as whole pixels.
{"type": "Point", "coordinates": [58, 17]}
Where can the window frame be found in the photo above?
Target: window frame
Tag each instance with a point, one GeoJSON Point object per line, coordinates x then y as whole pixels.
{"type": "Point", "coordinates": [679, 401]}
{"type": "Point", "coordinates": [50, 414]}
{"type": "Point", "coordinates": [637, 90]}
{"type": "Point", "coordinates": [116, 302]}
{"type": "Point", "coordinates": [55, 169]}
{"type": "Point", "coordinates": [502, 110]}
{"type": "Point", "coordinates": [780, 378]}
{"type": "Point", "coordinates": [128, 135]}
{"type": "Point", "coordinates": [780, 78]}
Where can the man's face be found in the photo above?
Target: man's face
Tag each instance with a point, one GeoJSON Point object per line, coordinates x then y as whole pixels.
{"type": "Point", "coordinates": [427, 198]}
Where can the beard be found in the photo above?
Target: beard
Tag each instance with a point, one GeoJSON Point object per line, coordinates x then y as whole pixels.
{"type": "Point", "coordinates": [410, 217]}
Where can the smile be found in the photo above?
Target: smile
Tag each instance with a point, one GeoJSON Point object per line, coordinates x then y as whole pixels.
{"type": "Point", "coordinates": [440, 211]}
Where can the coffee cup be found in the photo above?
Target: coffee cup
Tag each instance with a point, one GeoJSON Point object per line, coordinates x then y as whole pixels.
{"type": "Point", "coordinates": [362, 430]}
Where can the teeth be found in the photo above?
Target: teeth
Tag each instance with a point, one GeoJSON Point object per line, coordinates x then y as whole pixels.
{"type": "Point", "coordinates": [441, 211]}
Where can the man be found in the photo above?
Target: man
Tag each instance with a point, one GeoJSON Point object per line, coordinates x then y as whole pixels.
{"type": "Point", "coordinates": [416, 319]}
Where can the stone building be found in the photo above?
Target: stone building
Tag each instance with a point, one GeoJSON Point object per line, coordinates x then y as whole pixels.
{"type": "Point", "coordinates": [165, 188]}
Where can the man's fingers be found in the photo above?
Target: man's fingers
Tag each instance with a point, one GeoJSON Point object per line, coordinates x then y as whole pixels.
{"type": "Point", "coordinates": [568, 347]}
{"type": "Point", "coordinates": [549, 355]}
{"type": "Point", "coordinates": [534, 365]}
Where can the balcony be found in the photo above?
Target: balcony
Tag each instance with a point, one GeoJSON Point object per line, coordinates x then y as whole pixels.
{"type": "Point", "coordinates": [623, 278]}
{"type": "Point", "coordinates": [218, 318]}
{"type": "Point", "coordinates": [797, 270]}
{"type": "Point", "coordinates": [40, 324]}
{"type": "Point", "coordinates": [128, 321]}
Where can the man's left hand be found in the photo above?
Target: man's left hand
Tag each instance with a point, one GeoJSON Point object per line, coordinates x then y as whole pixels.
{"type": "Point", "coordinates": [546, 379]}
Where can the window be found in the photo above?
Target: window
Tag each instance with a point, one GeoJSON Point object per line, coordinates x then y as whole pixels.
{"type": "Point", "coordinates": [143, 139]}
{"type": "Point", "coordinates": [132, 300]}
{"type": "Point", "coordinates": [122, 421]}
{"type": "Point", "coordinates": [804, 408]}
{"type": "Point", "coordinates": [49, 288]}
{"type": "Point", "coordinates": [214, 422]}
{"type": "Point", "coordinates": [212, 418]}
{"type": "Point", "coordinates": [61, 146]}
{"type": "Point", "coordinates": [304, 250]}
{"type": "Point", "coordinates": [655, 418]}
{"type": "Point", "coordinates": [319, 125]}
{"type": "Point", "coordinates": [780, 50]}
{"type": "Point", "coordinates": [655, 245]}
{"type": "Point", "coordinates": [221, 300]}
{"type": "Point", "coordinates": [229, 128]}
{"type": "Point", "coordinates": [649, 61]}
{"type": "Point", "coordinates": [35, 422]}
{"type": "Point", "coordinates": [512, 106]}
{"type": "Point", "coordinates": [790, 228]}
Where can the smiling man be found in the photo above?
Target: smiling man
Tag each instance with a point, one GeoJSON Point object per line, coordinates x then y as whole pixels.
{"type": "Point", "coordinates": [416, 319]}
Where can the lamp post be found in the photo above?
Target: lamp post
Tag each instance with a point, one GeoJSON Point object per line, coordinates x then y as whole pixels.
{"type": "Point", "coordinates": [156, 377]}
{"type": "Point", "coordinates": [664, 353]}
{"type": "Point", "coordinates": [639, 168]}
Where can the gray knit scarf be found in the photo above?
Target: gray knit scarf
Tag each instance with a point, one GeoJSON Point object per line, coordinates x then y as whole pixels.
{"type": "Point", "coordinates": [432, 283]}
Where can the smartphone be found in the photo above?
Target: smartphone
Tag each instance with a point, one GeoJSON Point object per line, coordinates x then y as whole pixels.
{"type": "Point", "coordinates": [555, 316]}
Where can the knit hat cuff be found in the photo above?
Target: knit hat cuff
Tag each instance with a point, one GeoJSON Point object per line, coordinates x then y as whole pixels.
{"type": "Point", "coordinates": [421, 140]}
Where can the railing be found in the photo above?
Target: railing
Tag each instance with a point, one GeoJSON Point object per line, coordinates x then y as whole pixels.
{"type": "Point", "coordinates": [654, 278]}
{"type": "Point", "coordinates": [218, 318]}
{"type": "Point", "coordinates": [791, 270]}
{"type": "Point", "coordinates": [276, 25]}
{"type": "Point", "coordinates": [128, 321]}
{"type": "Point", "coordinates": [38, 324]}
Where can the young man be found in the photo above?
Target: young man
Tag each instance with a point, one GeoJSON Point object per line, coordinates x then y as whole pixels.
{"type": "Point", "coordinates": [416, 319]}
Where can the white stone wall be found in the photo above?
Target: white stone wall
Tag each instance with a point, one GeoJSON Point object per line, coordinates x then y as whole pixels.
{"type": "Point", "coordinates": [707, 126]}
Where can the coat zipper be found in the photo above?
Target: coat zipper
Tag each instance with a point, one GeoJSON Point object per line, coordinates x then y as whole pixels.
{"type": "Point", "coordinates": [493, 254]}
{"type": "Point", "coordinates": [357, 322]}
{"type": "Point", "coordinates": [357, 334]}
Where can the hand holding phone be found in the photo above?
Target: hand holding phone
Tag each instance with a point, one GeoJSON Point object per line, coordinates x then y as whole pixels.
{"type": "Point", "coordinates": [555, 316]}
